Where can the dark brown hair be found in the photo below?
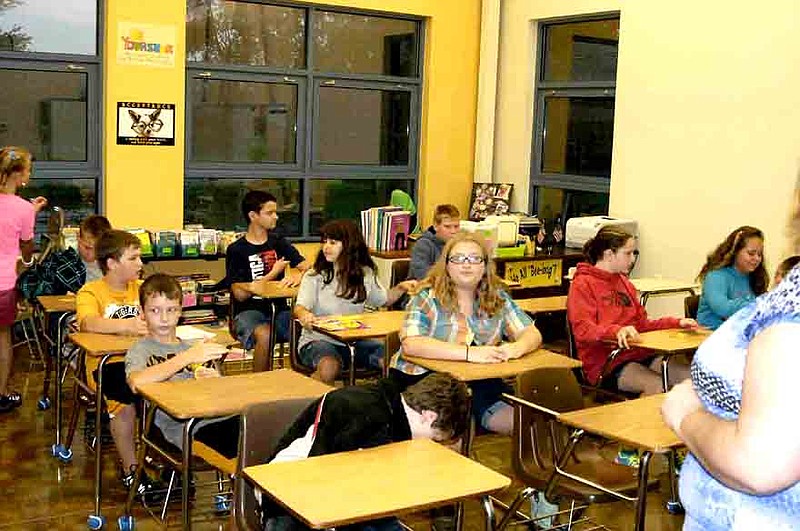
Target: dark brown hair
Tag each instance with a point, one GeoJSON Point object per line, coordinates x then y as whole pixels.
{"type": "Point", "coordinates": [445, 396]}
{"type": "Point", "coordinates": [607, 238]}
{"type": "Point", "coordinates": [112, 244]}
{"type": "Point", "coordinates": [725, 255]}
{"type": "Point", "coordinates": [787, 265]}
{"type": "Point", "coordinates": [350, 264]}
{"type": "Point", "coordinates": [160, 284]}
{"type": "Point", "coordinates": [94, 226]}
{"type": "Point", "coordinates": [488, 290]}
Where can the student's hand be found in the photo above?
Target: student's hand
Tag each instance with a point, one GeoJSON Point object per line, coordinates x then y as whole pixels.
{"type": "Point", "coordinates": [307, 320]}
{"type": "Point", "coordinates": [136, 326]}
{"type": "Point", "coordinates": [206, 372]}
{"type": "Point", "coordinates": [688, 323]}
{"type": "Point", "coordinates": [625, 335]}
{"type": "Point", "coordinates": [681, 401]}
{"type": "Point", "coordinates": [39, 203]}
{"type": "Point", "coordinates": [512, 350]}
{"type": "Point", "coordinates": [486, 354]}
{"type": "Point", "coordinates": [292, 278]}
{"type": "Point", "coordinates": [279, 265]}
{"type": "Point", "coordinates": [202, 352]}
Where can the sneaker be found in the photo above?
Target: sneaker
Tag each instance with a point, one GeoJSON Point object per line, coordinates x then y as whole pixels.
{"type": "Point", "coordinates": [148, 490]}
{"type": "Point", "coordinates": [10, 401]}
{"type": "Point", "coordinates": [627, 458]}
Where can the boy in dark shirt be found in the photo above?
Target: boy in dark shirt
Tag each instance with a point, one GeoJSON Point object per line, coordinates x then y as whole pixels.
{"type": "Point", "coordinates": [259, 256]}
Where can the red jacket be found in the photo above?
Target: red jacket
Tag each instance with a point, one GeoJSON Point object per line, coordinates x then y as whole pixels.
{"type": "Point", "coordinates": [598, 305]}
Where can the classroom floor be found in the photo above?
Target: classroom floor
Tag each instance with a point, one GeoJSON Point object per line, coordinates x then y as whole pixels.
{"type": "Point", "coordinates": [40, 493]}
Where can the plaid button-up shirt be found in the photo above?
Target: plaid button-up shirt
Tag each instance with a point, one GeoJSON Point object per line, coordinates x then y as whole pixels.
{"type": "Point", "coordinates": [425, 316]}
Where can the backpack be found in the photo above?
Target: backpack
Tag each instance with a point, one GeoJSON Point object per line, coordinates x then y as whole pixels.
{"type": "Point", "coordinates": [59, 273]}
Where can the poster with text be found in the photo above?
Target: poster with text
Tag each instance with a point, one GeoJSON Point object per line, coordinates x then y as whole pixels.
{"type": "Point", "coordinates": [145, 124]}
{"type": "Point", "coordinates": [146, 45]}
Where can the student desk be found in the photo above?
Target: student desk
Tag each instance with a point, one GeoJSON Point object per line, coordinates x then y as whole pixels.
{"type": "Point", "coordinates": [543, 304]}
{"type": "Point", "coordinates": [661, 286]}
{"type": "Point", "coordinates": [635, 422]}
{"type": "Point", "coordinates": [670, 342]}
{"type": "Point", "coordinates": [273, 291]}
{"type": "Point", "coordinates": [470, 371]}
{"type": "Point", "coordinates": [189, 400]}
{"type": "Point", "coordinates": [105, 346]}
{"type": "Point", "coordinates": [345, 488]}
{"type": "Point", "coordinates": [374, 325]}
{"type": "Point", "coordinates": [64, 306]}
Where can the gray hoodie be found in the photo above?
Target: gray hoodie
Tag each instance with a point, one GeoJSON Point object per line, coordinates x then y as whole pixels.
{"type": "Point", "coordinates": [424, 254]}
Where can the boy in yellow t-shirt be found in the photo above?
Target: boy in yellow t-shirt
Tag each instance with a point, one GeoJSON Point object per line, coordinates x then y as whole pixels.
{"type": "Point", "coordinates": [111, 306]}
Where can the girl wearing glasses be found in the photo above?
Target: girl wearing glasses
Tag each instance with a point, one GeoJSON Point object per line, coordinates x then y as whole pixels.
{"type": "Point", "coordinates": [461, 313]}
{"type": "Point", "coordinates": [603, 308]}
{"type": "Point", "coordinates": [16, 240]}
{"type": "Point", "coordinates": [342, 282]}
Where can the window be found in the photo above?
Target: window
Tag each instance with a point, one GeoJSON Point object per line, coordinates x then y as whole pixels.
{"type": "Point", "coordinates": [320, 107]}
{"type": "Point", "coordinates": [50, 74]}
{"type": "Point", "coordinates": [574, 117]}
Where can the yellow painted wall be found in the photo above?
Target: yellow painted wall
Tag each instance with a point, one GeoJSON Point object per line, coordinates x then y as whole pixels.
{"type": "Point", "coordinates": [707, 121]}
{"type": "Point", "coordinates": [144, 185]}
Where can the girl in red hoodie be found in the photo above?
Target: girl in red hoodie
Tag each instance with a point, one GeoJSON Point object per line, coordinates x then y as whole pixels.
{"type": "Point", "coordinates": [603, 308]}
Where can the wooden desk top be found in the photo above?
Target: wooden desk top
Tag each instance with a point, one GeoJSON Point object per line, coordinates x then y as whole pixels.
{"type": "Point", "coordinates": [655, 285]}
{"type": "Point", "coordinates": [57, 303]}
{"type": "Point", "coordinates": [543, 304]}
{"type": "Point", "coordinates": [98, 345]}
{"type": "Point", "coordinates": [366, 484]}
{"type": "Point", "coordinates": [274, 290]}
{"type": "Point", "coordinates": [672, 340]}
{"type": "Point", "coordinates": [636, 422]}
{"type": "Point", "coordinates": [229, 395]}
{"type": "Point", "coordinates": [467, 372]}
{"type": "Point", "coordinates": [376, 325]}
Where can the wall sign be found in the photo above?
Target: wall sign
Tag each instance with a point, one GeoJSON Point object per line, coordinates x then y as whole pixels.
{"type": "Point", "coordinates": [534, 273]}
{"type": "Point", "coordinates": [146, 45]}
{"type": "Point", "coordinates": [145, 124]}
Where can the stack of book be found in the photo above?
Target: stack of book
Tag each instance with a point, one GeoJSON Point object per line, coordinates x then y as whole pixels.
{"type": "Point", "coordinates": [386, 228]}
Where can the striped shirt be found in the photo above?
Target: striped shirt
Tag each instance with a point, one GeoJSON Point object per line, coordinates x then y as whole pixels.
{"type": "Point", "coordinates": [425, 316]}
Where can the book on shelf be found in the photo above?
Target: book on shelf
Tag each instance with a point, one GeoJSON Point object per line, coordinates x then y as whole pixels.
{"type": "Point", "coordinates": [385, 228]}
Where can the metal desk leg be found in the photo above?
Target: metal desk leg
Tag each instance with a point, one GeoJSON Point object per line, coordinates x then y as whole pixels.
{"type": "Point", "coordinates": [352, 347]}
{"type": "Point", "coordinates": [58, 449]}
{"type": "Point", "coordinates": [673, 505]}
{"type": "Point", "coordinates": [97, 518]}
{"type": "Point", "coordinates": [188, 427]}
{"type": "Point", "coordinates": [665, 371]}
{"type": "Point", "coordinates": [641, 502]}
{"type": "Point", "coordinates": [488, 511]}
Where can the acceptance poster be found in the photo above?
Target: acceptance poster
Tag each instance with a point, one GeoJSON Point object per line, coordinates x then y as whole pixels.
{"type": "Point", "coordinates": [145, 124]}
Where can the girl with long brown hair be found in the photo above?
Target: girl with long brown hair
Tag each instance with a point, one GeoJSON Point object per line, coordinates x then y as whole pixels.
{"type": "Point", "coordinates": [343, 281]}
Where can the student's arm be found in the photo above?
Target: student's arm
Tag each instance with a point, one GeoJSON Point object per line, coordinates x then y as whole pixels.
{"type": "Point", "coordinates": [582, 311]}
{"type": "Point", "coordinates": [197, 353]}
{"type": "Point", "coordinates": [26, 234]}
{"type": "Point", "coordinates": [759, 452]}
{"type": "Point", "coordinates": [299, 264]}
{"type": "Point", "coordinates": [519, 326]}
{"type": "Point", "coordinates": [238, 274]}
{"type": "Point", "coordinates": [715, 293]}
{"type": "Point", "coordinates": [397, 291]}
{"type": "Point", "coordinates": [422, 258]}
{"type": "Point", "coordinates": [306, 300]}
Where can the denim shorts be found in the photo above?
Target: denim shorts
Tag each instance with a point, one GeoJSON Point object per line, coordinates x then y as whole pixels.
{"type": "Point", "coordinates": [369, 353]}
{"type": "Point", "coordinates": [245, 322]}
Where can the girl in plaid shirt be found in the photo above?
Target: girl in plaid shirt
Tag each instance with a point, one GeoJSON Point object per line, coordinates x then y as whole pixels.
{"type": "Point", "coordinates": [461, 313]}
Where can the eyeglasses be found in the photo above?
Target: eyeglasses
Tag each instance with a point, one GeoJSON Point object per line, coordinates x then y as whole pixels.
{"type": "Point", "coordinates": [465, 259]}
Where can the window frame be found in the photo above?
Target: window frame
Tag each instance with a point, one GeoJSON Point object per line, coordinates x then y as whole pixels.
{"type": "Point", "coordinates": [91, 65]}
{"type": "Point", "coordinates": [565, 89]}
{"type": "Point", "coordinates": [307, 167]}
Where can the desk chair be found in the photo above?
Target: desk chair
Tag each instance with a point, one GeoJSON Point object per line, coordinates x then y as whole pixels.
{"type": "Point", "coordinates": [690, 306]}
{"type": "Point", "coordinates": [399, 273]}
{"type": "Point", "coordinates": [539, 440]}
{"type": "Point", "coordinates": [262, 426]}
{"type": "Point", "coordinates": [26, 320]}
{"type": "Point", "coordinates": [597, 391]}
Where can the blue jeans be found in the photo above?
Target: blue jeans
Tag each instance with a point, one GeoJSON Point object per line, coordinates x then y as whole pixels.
{"type": "Point", "coordinates": [245, 322]}
{"type": "Point", "coordinates": [369, 353]}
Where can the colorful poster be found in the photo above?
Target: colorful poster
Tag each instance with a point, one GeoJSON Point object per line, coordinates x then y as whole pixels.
{"type": "Point", "coordinates": [145, 124]}
{"type": "Point", "coordinates": [534, 273]}
{"type": "Point", "coordinates": [146, 45]}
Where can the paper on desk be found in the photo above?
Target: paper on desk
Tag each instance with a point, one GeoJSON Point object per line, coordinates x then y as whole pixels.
{"type": "Point", "coordinates": [191, 333]}
{"type": "Point", "coordinates": [337, 325]}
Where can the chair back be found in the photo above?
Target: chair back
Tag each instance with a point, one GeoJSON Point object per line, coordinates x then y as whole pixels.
{"type": "Point", "coordinates": [262, 426]}
{"type": "Point", "coordinates": [400, 269]}
{"type": "Point", "coordinates": [690, 305]}
{"type": "Point", "coordinates": [295, 329]}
